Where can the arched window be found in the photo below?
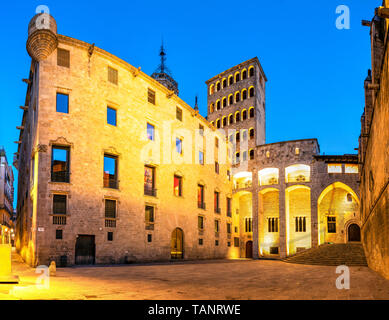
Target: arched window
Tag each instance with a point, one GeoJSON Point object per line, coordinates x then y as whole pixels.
{"type": "Point", "coordinates": [237, 77]}
{"type": "Point", "coordinates": [237, 136]}
{"type": "Point", "coordinates": [224, 83]}
{"type": "Point", "coordinates": [251, 112]}
{"type": "Point", "coordinates": [218, 123]}
{"type": "Point", "coordinates": [244, 94]}
{"type": "Point", "coordinates": [224, 103]}
{"type": "Point", "coordinates": [218, 105]}
{"type": "Point", "coordinates": [251, 154]}
{"type": "Point", "coordinates": [244, 135]}
{"type": "Point", "coordinates": [224, 121]}
{"type": "Point", "coordinates": [231, 99]}
{"type": "Point", "coordinates": [237, 97]}
{"type": "Point", "coordinates": [244, 114]}
{"type": "Point", "coordinates": [244, 74]}
{"type": "Point", "coordinates": [230, 119]}
{"type": "Point", "coordinates": [211, 89]}
{"type": "Point", "coordinates": [237, 157]}
{"type": "Point", "coordinates": [237, 117]}
{"type": "Point", "coordinates": [251, 72]}
{"type": "Point", "coordinates": [230, 80]}
{"type": "Point", "coordinates": [251, 92]}
{"type": "Point", "coordinates": [251, 132]}
{"type": "Point", "coordinates": [218, 86]}
{"type": "Point", "coordinates": [211, 108]}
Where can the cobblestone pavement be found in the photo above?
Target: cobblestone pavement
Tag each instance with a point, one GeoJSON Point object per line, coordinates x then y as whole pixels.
{"type": "Point", "coordinates": [216, 280]}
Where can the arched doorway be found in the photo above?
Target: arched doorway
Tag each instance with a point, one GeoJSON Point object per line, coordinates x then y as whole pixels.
{"type": "Point", "coordinates": [249, 249]}
{"type": "Point", "coordinates": [177, 244]}
{"type": "Point", "coordinates": [354, 233]}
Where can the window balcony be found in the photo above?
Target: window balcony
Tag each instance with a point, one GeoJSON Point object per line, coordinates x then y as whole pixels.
{"type": "Point", "coordinates": [201, 205]}
{"type": "Point", "coordinates": [60, 176]}
{"type": "Point", "coordinates": [110, 223]}
{"type": "Point", "coordinates": [150, 191]}
{"type": "Point", "coordinates": [59, 219]}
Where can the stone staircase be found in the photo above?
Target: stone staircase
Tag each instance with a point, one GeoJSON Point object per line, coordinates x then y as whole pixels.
{"type": "Point", "coordinates": [349, 254]}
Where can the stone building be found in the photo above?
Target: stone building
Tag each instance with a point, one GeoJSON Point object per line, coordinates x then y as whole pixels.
{"type": "Point", "coordinates": [373, 147]}
{"type": "Point", "coordinates": [287, 197]}
{"type": "Point", "coordinates": [115, 168]}
{"type": "Point", "coordinates": [6, 199]}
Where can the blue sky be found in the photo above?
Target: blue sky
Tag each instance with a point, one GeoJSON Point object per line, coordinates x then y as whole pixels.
{"type": "Point", "coordinates": [315, 71]}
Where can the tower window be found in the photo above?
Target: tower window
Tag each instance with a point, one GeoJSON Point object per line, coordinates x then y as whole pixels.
{"type": "Point", "coordinates": [151, 96]}
{"type": "Point", "coordinates": [224, 102]}
{"type": "Point", "coordinates": [251, 72]}
{"type": "Point", "coordinates": [224, 83]}
{"type": "Point", "coordinates": [113, 75]}
{"type": "Point", "coordinates": [251, 111]}
{"type": "Point", "coordinates": [230, 80]}
{"type": "Point", "coordinates": [251, 154]}
{"type": "Point", "coordinates": [218, 105]}
{"type": "Point", "coordinates": [224, 121]}
{"type": "Point", "coordinates": [244, 115]}
{"type": "Point", "coordinates": [237, 97]}
{"type": "Point", "coordinates": [111, 116]}
{"type": "Point", "coordinates": [244, 75]}
{"type": "Point", "coordinates": [218, 86]}
{"type": "Point", "coordinates": [230, 100]}
{"type": "Point", "coordinates": [63, 58]}
{"type": "Point", "coordinates": [251, 92]}
{"type": "Point", "coordinates": [244, 94]}
{"type": "Point", "coordinates": [178, 114]}
{"type": "Point", "coordinates": [237, 77]}
{"type": "Point", "coordinates": [237, 117]}
{"type": "Point", "coordinates": [230, 119]}
{"type": "Point", "coordinates": [62, 103]}
{"type": "Point", "coordinates": [251, 133]}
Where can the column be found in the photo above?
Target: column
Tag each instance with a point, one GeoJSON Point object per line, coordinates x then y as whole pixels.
{"type": "Point", "coordinates": [255, 214]}
{"type": "Point", "coordinates": [282, 213]}
{"type": "Point", "coordinates": [314, 221]}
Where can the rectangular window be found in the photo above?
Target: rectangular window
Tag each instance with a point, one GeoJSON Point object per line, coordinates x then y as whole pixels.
{"type": "Point", "coordinates": [301, 224]}
{"type": "Point", "coordinates": [351, 168]}
{"type": "Point", "coordinates": [150, 132]}
{"type": "Point", "coordinates": [178, 114]}
{"type": "Point", "coordinates": [229, 228]}
{"type": "Point", "coordinates": [58, 234]}
{"type": "Point", "coordinates": [201, 222]}
{"type": "Point", "coordinates": [229, 211]}
{"type": "Point", "coordinates": [60, 164]}
{"type": "Point", "coordinates": [229, 175]}
{"type": "Point", "coordinates": [179, 145]}
{"type": "Point", "coordinates": [113, 75]}
{"type": "Point", "coordinates": [236, 242]}
{"type": "Point", "coordinates": [151, 96]}
{"type": "Point", "coordinates": [110, 209]}
{"type": "Point", "coordinates": [149, 182]}
{"type": "Point", "coordinates": [335, 168]}
{"type": "Point", "coordinates": [201, 130]}
{"type": "Point", "coordinates": [111, 116]}
{"type": "Point", "coordinates": [149, 238]}
{"type": "Point", "coordinates": [217, 167]}
{"type": "Point", "coordinates": [62, 103]}
{"type": "Point", "coordinates": [201, 242]}
{"type": "Point", "coordinates": [110, 176]}
{"type": "Point", "coordinates": [217, 225]}
{"type": "Point", "coordinates": [149, 214]}
{"type": "Point", "coordinates": [201, 157]}
{"type": "Point", "coordinates": [200, 196]}
{"type": "Point", "coordinates": [272, 225]}
{"type": "Point", "coordinates": [178, 186]}
{"type": "Point", "coordinates": [249, 225]}
{"type": "Point", "coordinates": [59, 204]}
{"type": "Point", "coordinates": [331, 224]}
{"type": "Point", "coordinates": [110, 236]}
{"type": "Point", "coordinates": [217, 202]}
{"type": "Point", "coordinates": [216, 242]}
{"type": "Point", "coordinates": [63, 58]}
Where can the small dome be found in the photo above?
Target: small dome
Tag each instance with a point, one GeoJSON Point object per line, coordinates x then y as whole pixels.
{"type": "Point", "coordinates": [42, 21]}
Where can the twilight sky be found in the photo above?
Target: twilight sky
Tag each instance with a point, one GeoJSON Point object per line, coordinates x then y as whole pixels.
{"type": "Point", "coordinates": [315, 71]}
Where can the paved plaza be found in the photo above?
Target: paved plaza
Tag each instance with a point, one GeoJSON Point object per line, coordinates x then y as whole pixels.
{"type": "Point", "coordinates": [216, 280]}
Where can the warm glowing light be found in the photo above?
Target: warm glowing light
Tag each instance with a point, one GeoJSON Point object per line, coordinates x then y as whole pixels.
{"type": "Point", "coordinates": [268, 176]}
{"type": "Point", "coordinates": [298, 173]}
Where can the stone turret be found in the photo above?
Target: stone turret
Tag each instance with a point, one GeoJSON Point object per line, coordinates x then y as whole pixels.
{"type": "Point", "coordinates": [42, 36]}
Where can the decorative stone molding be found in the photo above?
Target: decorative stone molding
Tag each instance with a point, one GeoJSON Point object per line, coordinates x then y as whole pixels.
{"type": "Point", "coordinates": [41, 148]}
{"type": "Point", "coordinates": [111, 150]}
{"type": "Point", "coordinates": [61, 141]}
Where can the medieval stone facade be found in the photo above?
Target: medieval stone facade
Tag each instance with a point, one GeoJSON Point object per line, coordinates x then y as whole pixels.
{"type": "Point", "coordinates": [374, 146]}
{"type": "Point", "coordinates": [115, 168]}
{"type": "Point", "coordinates": [6, 199]}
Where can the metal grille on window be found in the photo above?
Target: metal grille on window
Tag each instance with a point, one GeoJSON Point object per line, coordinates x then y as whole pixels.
{"type": "Point", "coordinates": [110, 213]}
{"type": "Point", "coordinates": [63, 58]}
{"type": "Point", "coordinates": [300, 224]}
{"type": "Point", "coordinates": [113, 75]}
{"type": "Point", "coordinates": [151, 96]}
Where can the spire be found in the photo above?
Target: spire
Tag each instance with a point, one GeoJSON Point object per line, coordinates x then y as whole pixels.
{"type": "Point", "coordinates": [162, 73]}
{"type": "Point", "coordinates": [196, 104]}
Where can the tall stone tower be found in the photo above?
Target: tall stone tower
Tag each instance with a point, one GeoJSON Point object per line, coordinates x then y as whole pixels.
{"type": "Point", "coordinates": [236, 101]}
{"type": "Point", "coordinates": [42, 36]}
{"type": "Point", "coordinates": [163, 75]}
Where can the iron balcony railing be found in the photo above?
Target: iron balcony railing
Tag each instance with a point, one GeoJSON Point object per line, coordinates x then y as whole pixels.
{"type": "Point", "coordinates": [59, 219]}
{"type": "Point", "coordinates": [150, 191]}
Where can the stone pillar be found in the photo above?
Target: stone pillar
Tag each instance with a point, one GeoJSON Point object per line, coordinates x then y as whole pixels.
{"type": "Point", "coordinates": [282, 213]}
{"type": "Point", "coordinates": [314, 221]}
{"type": "Point", "coordinates": [255, 214]}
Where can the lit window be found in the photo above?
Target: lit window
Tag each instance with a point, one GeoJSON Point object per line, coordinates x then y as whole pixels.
{"type": "Point", "coordinates": [331, 224]}
{"type": "Point", "coordinates": [111, 116]}
{"type": "Point", "coordinates": [351, 168]}
{"type": "Point", "coordinates": [349, 197]}
{"type": "Point", "coordinates": [334, 168]}
{"type": "Point", "coordinates": [177, 186]}
{"type": "Point", "coordinates": [62, 103]}
{"type": "Point", "coordinates": [248, 224]}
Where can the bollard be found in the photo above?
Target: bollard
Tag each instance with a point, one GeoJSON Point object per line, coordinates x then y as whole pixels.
{"type": "Point", "coordinates": [5, 265]}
